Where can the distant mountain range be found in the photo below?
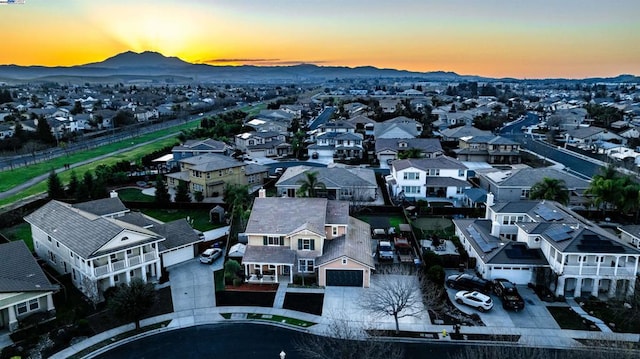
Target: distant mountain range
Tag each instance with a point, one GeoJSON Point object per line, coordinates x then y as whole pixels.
{"type": "Point", "coordinates": [152, 66]}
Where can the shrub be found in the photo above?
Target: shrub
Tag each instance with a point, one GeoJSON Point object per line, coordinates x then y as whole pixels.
{"type": "Point", "coordinates": [436, 274]}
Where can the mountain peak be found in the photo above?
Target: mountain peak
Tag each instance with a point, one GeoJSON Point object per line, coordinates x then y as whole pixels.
{"type": "Point", "coordinates": [139, 59]}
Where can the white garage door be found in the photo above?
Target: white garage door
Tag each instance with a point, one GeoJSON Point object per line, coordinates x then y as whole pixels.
{"type": "Point", "coordinates": [177, 256]}
{"type": "Point", "coordinates": [515, 276]}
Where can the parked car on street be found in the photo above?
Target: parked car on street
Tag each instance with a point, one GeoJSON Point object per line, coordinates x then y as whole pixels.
{"type": "Point", "coordinates": [468, 282]}
{"type": "Point", "coordinates": [477, 300]}
{"type": "Point", "coordinates": [508, 294]}
{"type": "Point", "coordinates": [210, 255]}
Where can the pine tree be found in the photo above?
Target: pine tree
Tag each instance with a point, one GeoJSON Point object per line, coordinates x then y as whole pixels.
{"type": "Point", "coordinates": [87, 180]}
{"type": "Point", "coordinates": [73, 185]}
{"type": "Point", "coordinates": [43, 132]}
{"type": "Point", "coordinates": [162, 194]}
{"type": "Point", "coordinates": [55, 188]}
{"type": "Point", "coordinates": [182, 193]}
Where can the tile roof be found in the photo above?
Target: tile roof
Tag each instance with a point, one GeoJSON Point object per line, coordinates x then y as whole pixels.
{"type": "Point", "coordinates": [335, 177]}
{"type": "Point", "coordinates": [427, 145]}
{"type": "Point", "coordinates": [19, 271]}
{"type": "Point", "coordinates": [277, 215]}
{"type": "Point", "coordinates": [211, 162]}
{"type": "Point", "coordinates": [177, 234]}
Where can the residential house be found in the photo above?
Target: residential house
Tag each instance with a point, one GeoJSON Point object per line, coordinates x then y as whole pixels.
{"type": "Point", "coordinates": [630, 234]}
{"type": "Point", "coordinates": [263, 144]}
{"type": "Point", "coordinates": [568, 118]}
{"type": "Point", "coordinates": [398, 127]}
{"type": "Point", "coordinates": [491, 149]}
{"type": "Point", "coordinates": [542, 242]}
{"type": "Point", "coordinates": [388, 149]}
{"type": "Point", "coordinates": [389, 105]}
{"type": "Point", "coordinates": [440, 177]}
{"type": "Point", "coordinates": [347, 184]}
{"type": "Point", "coordinates": [6, 131]}
{"type": "Point", "coordinates": [101, 244]}
{"type": "Point", "coordinates": [589, 136]}
{"type": "Point", "coordinates": [363, 124]}
{"type": "Point", "coordinates": [255, 175]}
{"type": "Point", "coordinates": [198, 147]}
{"type": "Point", "coordinates": [208, 174]}
{"type": "Point", "coordinates": [454, 134]}
{"type": "Point", "coordinates": [307, 236]}
{"type": "Point", "coordinates": [337, 144]}
{"type": "Point", "coordinates": [24, 287]}
{"type": "Point", "coordinates": [515, 184]}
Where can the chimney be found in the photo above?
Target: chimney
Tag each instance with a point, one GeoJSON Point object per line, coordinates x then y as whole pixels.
{"type": "Point", "coordinates": [262, 193]}
{"type": "Point", "coordinates": [113, 194]}
{"type": "Point", "coordinates": [490, 200]}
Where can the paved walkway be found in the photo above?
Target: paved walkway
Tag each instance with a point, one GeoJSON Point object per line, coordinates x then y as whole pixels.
{"type": "Point", "coordinates": [280, 294]}
{"type": "Point", "coordinates": [597, 321]}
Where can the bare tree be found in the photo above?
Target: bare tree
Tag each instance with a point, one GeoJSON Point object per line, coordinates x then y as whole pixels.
{"type": "Point", "coordinates": [344, 340]}
{"type": "Point", "coordinates": [359, 197]}
{"type": "Point", "coordinates": [396, 294]}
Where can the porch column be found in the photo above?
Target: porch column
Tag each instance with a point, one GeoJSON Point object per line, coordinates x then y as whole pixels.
{"type": "Point", "coordinates": [143, 269]}
{"type": "Point", "coordinates": [127, 275]}
{"type": "Point", "coordinates": [560, 286]}
{"type": "Point", "coordinates": [598, 265]}
{"type": "Point", "coordinates": [50, 305]}
{"type": "Point", "coordinates": [158, 269]}
{"type": "Point", "coordinates": [578, 291]}
{"type": "Point", "coordinates": [595, 286]}
{"type": "Point", "coordinates": [615, 271]}
{"type": "Point", "coordinates": [631, 288]}
{"type": "Point", "coordinates": [112, 283]}
{"type": "Point", "coordinates": [612, 288]}
{"type": "Point", "coordinates": [13, 321]}
{"type": "Point", "coordinates": [291, 273]}
{"type": "Point", "coordinates": [246, 271]}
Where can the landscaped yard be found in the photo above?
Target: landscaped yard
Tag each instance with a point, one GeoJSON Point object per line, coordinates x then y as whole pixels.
{"type": "Point", "coordinates": [429, 225]}
{"type": "Point", "coordinates": [568, 319]}
{"type": "Point", "coordinates": [20, 232]}
{"type": "Point", "coordinates": [200, 217]}
{"type": "Point", "coordinates": [613, 312]}
{"type": "Point", "coordinates": [245, 299]}
{"type": "Point", "coordinates": [304, 302]}
{"type": "Point", "coordinates": [134, 195]}
{"type": "Point", "coordinates": [383, 221]}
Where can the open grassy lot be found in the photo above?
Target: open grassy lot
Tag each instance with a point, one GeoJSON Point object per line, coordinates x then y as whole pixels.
{"type": "Point", "coordinates": [134, 195]}
{"type": "Point", "coordinates": [200, 217]}
{"type": "Point", "coordinates": [20, 232]}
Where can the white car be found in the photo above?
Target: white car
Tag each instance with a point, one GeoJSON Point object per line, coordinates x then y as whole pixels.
{"type": "Point", "coordinates": [480, 301]}
{"type": "Point", "coordinates": [210, 255]}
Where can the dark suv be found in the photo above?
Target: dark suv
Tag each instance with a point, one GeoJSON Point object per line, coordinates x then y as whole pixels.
{"type": "Point", "coordinates": [508, 294]}
{"type": "Point", "coordinates": [468, 282]}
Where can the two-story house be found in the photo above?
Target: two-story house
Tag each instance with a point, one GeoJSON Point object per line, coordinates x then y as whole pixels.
{"type": "Point", "coordinates": [542, 242]}
{"type": "Point", "coordinates": [198, 147]}
{"type": "Point", "coordinates": [419, 178]}
{"type": "Point", "coordinates": [456, 133]}
{"type": "Point", "coordinates": [490, 149]}
{"type": "Point", "coordinates": [398, 127]}
{"type": "Point", "coordinates": [337, 145]}
{"type": "Point", "coordinates": [24, 287]}
{"type": "Point", "coordinates": [263, 144]}
{"type": "Point", "coordinates": [101, 244]}
{"type": "Point", "coordinates": [307, 236]}
{"type": "Point", "coordinates": [388, 149]}
{"type": "Point", "coordinates": [208, 174]}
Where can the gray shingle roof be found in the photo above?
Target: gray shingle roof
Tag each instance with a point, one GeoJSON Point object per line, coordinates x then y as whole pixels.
{"type": "Point", "coordinates": [527, 177]}
{"type": "Point", "coordinates": [211, 162]}
{"type": "Point", "coordinates": [102, 207]}
{"type": "Point", "coordinates": [277, 215]}
{"type": "Point", "coordinates": [441, 162]}
{"type": "Point", "coordinates": [177, 233]}
{"type": "Point", "coordinates": [19, 271]}
{"type": "Point", "coordinates": [255, 168]}
{"type": "Point", "coordinates": [463, 131]}
{"type": "Point", "coordinates": [269, 254]}
{"type": "Point", "coordinates": [335, 177]}
{"type": "Point", "coordinates": [82, 232]}
{"type": "Point", "coordinates": [426, 145]}
{"type": "Point", "coordinates": [356, 244]}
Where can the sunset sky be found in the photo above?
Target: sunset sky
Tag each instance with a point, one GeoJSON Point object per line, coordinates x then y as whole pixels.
{"type": "Point", "coordinates": [498, 38]}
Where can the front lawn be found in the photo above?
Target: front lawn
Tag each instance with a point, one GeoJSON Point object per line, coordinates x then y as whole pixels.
{"type": "Point", "coordinates": [20, 232]}
{"type": "Point", "coordinates": [245, 299]}
{"type": "Point", "coordinates": [568, 319]}
{"type": "Point", "coordinates": [200, 217]}
{"type": "Point", "coordinates": [304, 302]}
{"type": "Point", "coordinates": [613, 312]}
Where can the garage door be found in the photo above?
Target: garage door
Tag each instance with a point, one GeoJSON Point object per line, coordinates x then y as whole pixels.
{"type": "Point", "coordinates": [177, 256]}
{"type": "Point", "coordinates": [344, 278]}
{"type": "Point", "coordinates": [514, 276]}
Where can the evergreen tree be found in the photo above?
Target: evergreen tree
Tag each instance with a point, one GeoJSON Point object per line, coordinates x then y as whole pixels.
{"type": "Point", "coordinates": [73, 185]}
{"type": "Point", "coordinates": [162, 194]}
{"type": "Point", "coordinates": [99, 189]}
{"type": "Point", "coordinates": [133, 300]}
{"type": "Point", "coordinates": [87, 179]}
{"type": "Point", "coordinates": [55, 188]}
{"type": "Point", "coordinates": [82, 193]}
{"type": "Point", "coordinates": [43, 132]}
{"type": "Point", "coordinates": [182, 192]}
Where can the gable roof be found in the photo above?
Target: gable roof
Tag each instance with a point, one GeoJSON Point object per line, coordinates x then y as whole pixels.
{"type": "Point", "coordinates": [426, 145]}
{"type": "Point", "coordinates": [356, 245]}
{"type": "Point", "coordinates": [527, 177]}
{"type": "Point", "coordinates": [335, 177]}
{"type": "Point", "coordinates": [463, 131]}
{"type": "Point", "coordinates": [277, 215]}
{"type": "Point", "coordinates": [177, 234]}
{"type": "Point", "coordinates": [211, 162]}
{"type": "Point", "coordinates": [201, 145]}
{"type": "Point", "coordinates": [395, 130]}
{"type": "Point", "coordinates": [440, 162]}
{"type": "Point", "coordinates": [19, 271]}
{"type": "Point", "coordinates": [103, 206]}
{"type": "Point", "coordinates": [82, 232]}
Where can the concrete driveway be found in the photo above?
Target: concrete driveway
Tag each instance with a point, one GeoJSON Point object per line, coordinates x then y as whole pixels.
{"type": "Point", "coordinates": [534, 314]}
{"type": "Point", "coordinates": [192, 284]}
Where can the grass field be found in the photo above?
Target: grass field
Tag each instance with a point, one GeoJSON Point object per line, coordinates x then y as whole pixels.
{"type": "Point", "coordinates": [20, 232]}
{"type": "Point", "coordinates": [134, 195]}
{"type": "Point", "coordinates": [200, 217]}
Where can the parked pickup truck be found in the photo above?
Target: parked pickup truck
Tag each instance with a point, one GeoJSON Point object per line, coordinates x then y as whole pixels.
{"type": "Point", "coordinates": [385, 251]}
{"type": "Point", "coordinates": [508, 294]}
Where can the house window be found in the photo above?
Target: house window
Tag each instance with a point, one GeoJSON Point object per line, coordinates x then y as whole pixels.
{"type": "Point", "coordinates": [460, 173]}
{"type": "Point", "coordinates": [52, 257]}
{"type": "Point", "coordinates": [344, 261]}
{"type": "Point", "coordinates": [116, 278]}
{"type": "Point", "coordinates": [433, 172]}
{"type": "Point", "coordinates": [412, 175]}
{"type": "Point", "coordinates": [306, 244]}
{"type": "Point", "coordinates": [272, 241]}
{"type": "Point", "coordinates": [524, 193]}
{"type": "Point", "coordinates": [411, 189]}
{"type": "Point", "coordinates": [57, 244]}
{"type": "Point", "coordinates": [334, 230]}
{"type": "Point", "coordinates": [28, 306]}
{"type": "Point", "coordinates": [306, 265]}
{"type": "Point", "coordinates": [49, 238]}
{"type": "Point", "coordinates": [129, 251]}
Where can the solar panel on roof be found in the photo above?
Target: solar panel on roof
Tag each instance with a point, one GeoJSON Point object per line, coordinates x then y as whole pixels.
{"type": "Point", "coordinates": [484, 245]}
{"type": "Point", "coordinates": [559, 234]}
{"type": "Point", "coordinates": [548, 214]}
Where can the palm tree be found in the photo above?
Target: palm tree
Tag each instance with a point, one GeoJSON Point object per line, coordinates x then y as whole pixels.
{"type": "Point", "coordinates": [605, 187]}
{"type": "Point", "coordinates": [551, 189]}
{"type": "Point", "coordinates": [310, 184]}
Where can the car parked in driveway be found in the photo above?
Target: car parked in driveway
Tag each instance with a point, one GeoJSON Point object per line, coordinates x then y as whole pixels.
{"type": "Point", "coordinates": [474, 299]}
{"type": "Point", "coordinates": [385, 251]}
{"type": "Point", "coordinates": [468, 282]}
{"type": "Point", "coordinates": [210, 255]}
{"type": "Point", "coordinates": [508, 294]}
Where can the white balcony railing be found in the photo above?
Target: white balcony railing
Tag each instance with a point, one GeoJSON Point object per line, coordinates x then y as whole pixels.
{"type": "Point", "coordinates": [133, 261]}
{"type": "Point", "coordinates": [602, 271]}
{"type": "Point", "coordinates": [122, 264]}
{"type": "Point", "coordinates": [102, 270]}
{"type": "Point", "coordinates": [149, 256]}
